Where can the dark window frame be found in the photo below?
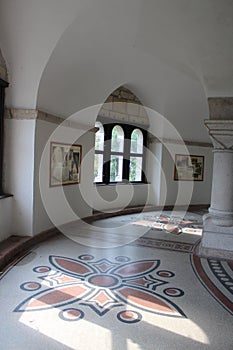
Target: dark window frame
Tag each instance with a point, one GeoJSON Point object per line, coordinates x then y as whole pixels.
{"type": "Point", "coordinates": [108, 126]}
{"type": "Point", "coordinates": [3, 86]}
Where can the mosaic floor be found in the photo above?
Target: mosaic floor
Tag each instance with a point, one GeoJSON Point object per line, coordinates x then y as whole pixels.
{"type": "Point", "coordinates": [67, 295]}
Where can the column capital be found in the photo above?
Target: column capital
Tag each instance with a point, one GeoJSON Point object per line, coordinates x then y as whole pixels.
{"type": "Point", "coordinates": [221, 133]}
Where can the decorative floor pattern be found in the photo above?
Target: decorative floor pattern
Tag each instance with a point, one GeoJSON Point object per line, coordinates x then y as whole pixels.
{"type": "Point", "coordinates": [164, 244]}
{"type": "Point", "coordinates": [170, 224]}
{"type": "Point", "coordinates": [217, 278]}
{"type": "Point", "coordinates": [102, 285]}
{"type": "Point", "coordinates": [66, 296]}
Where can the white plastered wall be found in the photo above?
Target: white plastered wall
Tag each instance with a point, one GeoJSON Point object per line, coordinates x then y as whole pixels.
{"type": "Point", "coordinates": [62, 204]}
{"type": "Point", "coordinates": [26, 214]}
{"type": "Point", "coordinates": [18, 174]}
{"type": "Point", "coordinates": [117, 197]}
{"type": "Point", "coordinates": [161, 189]}
{"type": "Point", "coordinates": [166, 191]}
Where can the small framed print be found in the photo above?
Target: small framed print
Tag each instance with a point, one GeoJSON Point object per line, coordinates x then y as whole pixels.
{"type": "Point", "coordinates": [65, 164]}
{"type": "Point", "coordinates": [188, 168]}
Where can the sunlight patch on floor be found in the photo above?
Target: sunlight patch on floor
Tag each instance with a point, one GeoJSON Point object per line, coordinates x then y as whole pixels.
{"type": "Point", "coordinates": [184, 328]}
{"type": "Point", "coordinates": [74, 335]}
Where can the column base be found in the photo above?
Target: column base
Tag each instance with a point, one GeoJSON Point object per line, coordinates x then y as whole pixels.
{"type": "Point", "coordinates": [221, 218]}
{"type": "Point", "coordinates": [217, 241]}
{"type": "Point", "coordinates": [214, 253]}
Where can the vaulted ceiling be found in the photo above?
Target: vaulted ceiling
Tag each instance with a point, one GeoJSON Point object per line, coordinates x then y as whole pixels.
{"type": "Point", "coordinates": [65, 55]}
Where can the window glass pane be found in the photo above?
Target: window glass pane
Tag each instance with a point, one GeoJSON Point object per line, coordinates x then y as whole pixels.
{"type": "Point", "coordinates": [135, 171]}
{"type": "Point", "coordinates": [99, 137]}
{"type": "Point", "coordinates": [117, 143]}
{"type": "Point", "coordinates": [116, 166]}
{"type": "Point", "coordinates": [98, 168]}
{"type": "Point", "coordinates": [136, 141]}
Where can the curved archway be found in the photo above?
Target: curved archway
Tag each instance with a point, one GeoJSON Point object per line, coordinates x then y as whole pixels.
{"type": "Point", "coordinates": [124, 106]}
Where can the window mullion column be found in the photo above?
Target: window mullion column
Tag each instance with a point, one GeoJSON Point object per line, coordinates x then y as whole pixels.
{"type": "Point", "coordinates": [126, 161]}
{"type": "Point", "coordinates": [144, 179]}
{"type": "Point", "coordinates": [107, 153]}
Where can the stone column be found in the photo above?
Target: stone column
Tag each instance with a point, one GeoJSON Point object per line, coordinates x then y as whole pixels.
{"type": "Point", "coordinates": [217, 239]}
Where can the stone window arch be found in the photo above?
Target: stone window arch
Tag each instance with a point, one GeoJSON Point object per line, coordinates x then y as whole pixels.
{"type": "Point", "coordinates": [122, 123]}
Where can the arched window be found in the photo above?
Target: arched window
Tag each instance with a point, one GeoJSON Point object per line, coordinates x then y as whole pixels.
{"type": "Point", "coordinates": [136, 145]}
{"type": "Point", "coordinates": [99, 153]}
{"type": "Point", "coordinates": [136, 156]}
{"type": "Point", "coordinates": [117, 153]}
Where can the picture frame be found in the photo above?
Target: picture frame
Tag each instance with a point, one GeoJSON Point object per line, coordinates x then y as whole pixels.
{"type": "Point", "coordinates": [65, 164]}
{"type": "Point", "coordinates": [188, 167]}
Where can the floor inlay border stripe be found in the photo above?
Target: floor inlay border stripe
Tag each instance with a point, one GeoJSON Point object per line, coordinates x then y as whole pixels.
{"type": "Point", "coordinates": [164, 244]}
{"type": "Point", "coordinates": [212, 280]}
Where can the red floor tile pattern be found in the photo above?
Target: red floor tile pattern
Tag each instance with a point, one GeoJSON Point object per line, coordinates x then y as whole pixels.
{"type": "Point", "coordinates": [169, 224]}
{"type": "Point", "coordinates": [102, 285]}
{"type": "Point", "coordinates": [217, 278]}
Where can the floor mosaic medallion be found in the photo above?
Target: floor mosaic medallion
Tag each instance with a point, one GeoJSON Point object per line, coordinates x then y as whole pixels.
{"type": "Point", "coordinates": [74, 284]}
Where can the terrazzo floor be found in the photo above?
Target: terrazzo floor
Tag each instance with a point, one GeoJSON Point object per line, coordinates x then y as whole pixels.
{"type": "Point", "coordinates": [143, 288]}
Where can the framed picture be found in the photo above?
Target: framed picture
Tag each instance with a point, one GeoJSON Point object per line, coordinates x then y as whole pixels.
{"type": "Point", "coordinates": [188, 168]}
{"type": "Point", "coordinates": [65, 164]}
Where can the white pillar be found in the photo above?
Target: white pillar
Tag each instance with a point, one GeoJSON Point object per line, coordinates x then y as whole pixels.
{"type": "Point", "coordinates": [217, 239]}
